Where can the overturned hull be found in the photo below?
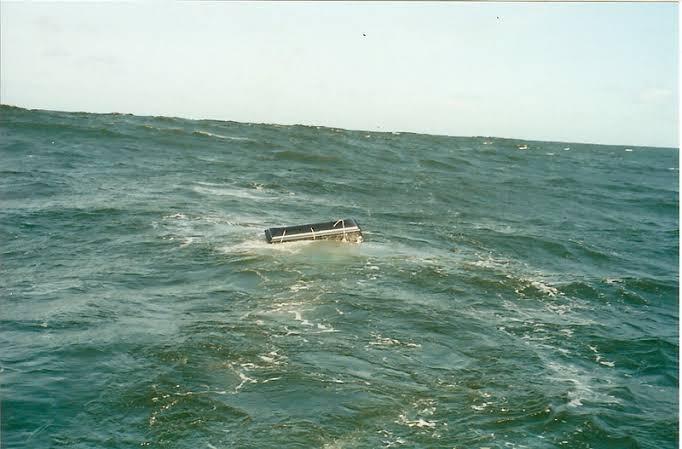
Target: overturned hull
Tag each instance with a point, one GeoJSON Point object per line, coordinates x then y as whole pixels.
{"type": "Point", "coordinates": [346, 230]}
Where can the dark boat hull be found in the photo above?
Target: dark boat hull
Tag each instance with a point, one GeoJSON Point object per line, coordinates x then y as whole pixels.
{"type": "Point", "coordinates": [346, 230]}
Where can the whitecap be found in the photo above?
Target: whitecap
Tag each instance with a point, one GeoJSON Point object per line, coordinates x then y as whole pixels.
{"type": "Point", "coordinates": [271, 379]}
{"type": "Point", "coordinates": [300, 285]}
{"type": "Point", "coordinates": [187, 241]}
{"type": "Point", "coordinates": [227, 191]}
{"type": "Point", "coordinates": [220, 136]}
{"type": "Point", "coordinates": [420, 422]}
{"type": "Point", "coordinates": [244, 379]}
{"type": "Point", "coordinates": [299, 317]}
{"type": "Point", "coordinates": [575, 402]}
{"type": "Point", "coordinates": [580, 382]}
{"type": "Point", "coordinates": [599, 359]}
{"type": "Point", "coordinates": [491, 263]}
{"type": "Point", "coordinates": [387, 341]}
{"type": "Point", "coordinates": [544, 288]}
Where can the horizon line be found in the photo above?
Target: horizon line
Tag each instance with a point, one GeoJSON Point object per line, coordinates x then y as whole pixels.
{"type": "Point", "coordinates": [346, 129]}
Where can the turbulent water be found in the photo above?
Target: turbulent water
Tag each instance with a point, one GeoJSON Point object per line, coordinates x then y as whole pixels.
{"type": "Point", "coordinates": [503, 297]}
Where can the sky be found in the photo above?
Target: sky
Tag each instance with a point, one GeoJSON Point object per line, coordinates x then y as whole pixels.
{"type": "Point", "coordinates": [573, 72]}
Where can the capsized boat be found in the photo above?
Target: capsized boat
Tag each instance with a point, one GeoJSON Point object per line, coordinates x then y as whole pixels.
{"type": "Point", "coordinates": [346, 230]}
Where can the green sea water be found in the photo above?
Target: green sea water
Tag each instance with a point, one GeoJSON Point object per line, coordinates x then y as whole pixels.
{"type": "Point", "coordinates": [503, 297]}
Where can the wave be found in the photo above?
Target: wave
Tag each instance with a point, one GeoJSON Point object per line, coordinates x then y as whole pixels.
{"type": "Point", "coordinates": [227, 190]}
{"type": "Point", "coordinates": [72, 129]}
{"type": "Point", "coordinates": [436, 164]}
{"type": "Point", "coordinates": [472, 301]}
{"type": "Point", "coordinates": [174, 130]}
{"type": "Point", "coordinates": [294, 155]}
{"type": "Point", "coordinates": [220, 136]}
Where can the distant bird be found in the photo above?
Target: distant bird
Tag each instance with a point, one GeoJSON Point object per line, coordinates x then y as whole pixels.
{"type": "Point", "coordinates": [364, 34]}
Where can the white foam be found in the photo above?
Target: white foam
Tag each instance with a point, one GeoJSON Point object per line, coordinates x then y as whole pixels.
{"type": "Point", "coordinates": [567, 332]}
{"type": "Point", "coordinates": [382, 341]}
{"type": "Point", "coordinates": [244, 379]}
{"type": "Point", "coordinates": [491, 263]}
{"type": "Point", "coordinates": [421, 423]}
{"type": "Point", "coordinates": [537, 284]}
{"type": "Point", "coordinates": [396, 442]}
{"type": "Point", "coordinates": [580, 381]}
{"type": "Point", "coordinates": [598, 358]}
{"type": "Point", "coordinates": [187, 241]}
{"type": "Point", "coordinates": [575, 403]}
{"type": "Point", "coordinates": [544, 288]}
{"type": "Point", "coordinates": [300, 285]}
{"type": "Point", "coordinates": [272, 379]}
{"type": "Point", "coordinates": [226, 190]}
{"type": "Point", "coordinates": [156, 128]}
{"type": "Point", "coordinates": [255, 243]}
{"type": "Point", "coordinates": [386, 341]}
{"type": "Point", "coordinates": [298, 317]}
{"type": "Point", "coordinates": [220, 136]}
{"type": "Point", "coordinates": [273, 357]}
{"type": "Point", "coordinates": [188, 230]}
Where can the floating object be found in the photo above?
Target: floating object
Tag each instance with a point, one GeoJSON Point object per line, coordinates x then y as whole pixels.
{"type": "Point", "coordinates": [346, 230]}
{"type": "Point", "coordinates": [522, 147]}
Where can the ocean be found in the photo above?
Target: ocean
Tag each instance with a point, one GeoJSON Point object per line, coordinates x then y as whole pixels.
{"type": "Point", "coordinates": [503, 297]}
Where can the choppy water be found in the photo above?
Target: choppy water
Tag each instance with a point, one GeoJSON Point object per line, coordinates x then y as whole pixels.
{"type": "Point", "coordinates": [503, 298]}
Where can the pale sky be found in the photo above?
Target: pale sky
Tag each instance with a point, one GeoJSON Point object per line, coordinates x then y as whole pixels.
{"type": "Point", "coordinates": [576, 72]}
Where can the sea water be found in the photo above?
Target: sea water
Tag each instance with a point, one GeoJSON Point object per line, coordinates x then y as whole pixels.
{"type": "Point", "coordinates": [503, 297]}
